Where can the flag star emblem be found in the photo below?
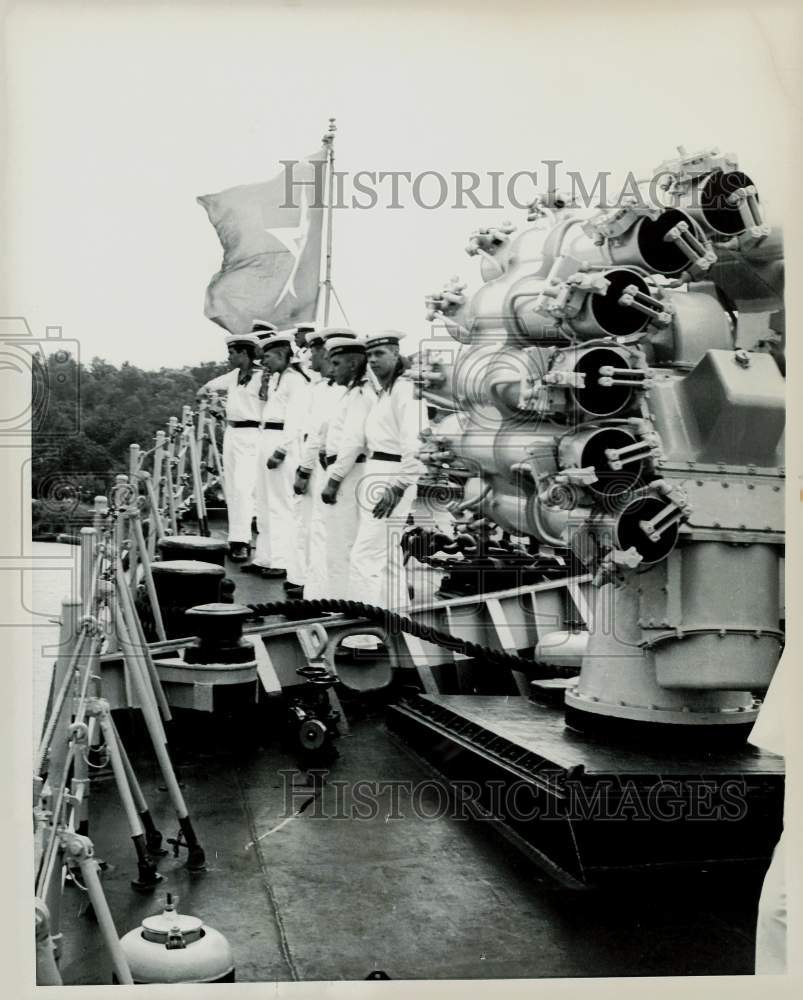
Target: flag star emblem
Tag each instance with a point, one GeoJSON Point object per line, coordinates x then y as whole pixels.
{"type": "Point", "coordinates": [293, 239]}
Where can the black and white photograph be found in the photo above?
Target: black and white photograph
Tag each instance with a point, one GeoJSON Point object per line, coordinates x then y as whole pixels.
{"type": "Point", "coordinates": [397, 497]}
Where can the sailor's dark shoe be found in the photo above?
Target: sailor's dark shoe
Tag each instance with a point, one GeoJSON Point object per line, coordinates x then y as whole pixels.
{"type": "Point", "coordinates": [272, 573]}
{"type": "Point", "coordinates": [252, 568]}
{"type": "Point", "coordinates": [238, 551]}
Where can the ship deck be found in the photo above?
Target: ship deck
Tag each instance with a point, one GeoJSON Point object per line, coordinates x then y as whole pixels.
{"type": "Point", "coordinates": [374, 867]}
{"type": "Point", "coordinates": [413, 889]}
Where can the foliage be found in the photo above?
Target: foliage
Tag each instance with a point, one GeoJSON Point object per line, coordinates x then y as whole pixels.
{"type": "Point", "coordinates": [85, 418]}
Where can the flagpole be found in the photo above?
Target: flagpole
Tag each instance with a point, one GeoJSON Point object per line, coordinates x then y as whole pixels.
{"type": "Point", "coordinates": [329, 142]}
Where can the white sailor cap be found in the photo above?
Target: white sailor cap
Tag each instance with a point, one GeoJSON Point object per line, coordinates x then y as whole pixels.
{"type": "Point", "coordinates": [306, 327]}
{"type": "Point", "coordinates": [313, 337]}
{"type": "Point", "coordinates": [383, 339]}
{"type": "Point", "coordinates": [239, 339]}
{"type": "Point", "coordinates": [279, 339]}
{"type": "Point", "coordinates": [262, 328]}
{"type": "Point", "coordinates": [344, 345]}
{"type": "Point", "coordinates": [329, 332]}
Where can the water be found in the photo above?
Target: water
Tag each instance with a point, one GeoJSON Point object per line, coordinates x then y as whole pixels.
{"type": "Point", "coordinates": [54, 576]}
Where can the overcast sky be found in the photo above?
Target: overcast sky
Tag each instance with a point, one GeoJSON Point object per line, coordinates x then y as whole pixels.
{"type": "Point", "coordinates": [120, 116]}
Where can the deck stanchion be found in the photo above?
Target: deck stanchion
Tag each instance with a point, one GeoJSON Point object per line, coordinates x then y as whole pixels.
{"type": "Point", "coordinates": [89, 537]}
{"type": "Point", "coordinates": [140, 648]}
{"type": "Point", "coordinates": [133, 551]}
{"type": "Point", "coordinates": [137, 672]}
{"type": "Point", "coordinates": [170, 479]}
{"type": "Point", "coordinates": [153, 838]}
{"type": "Point", "coordinates": [157, 529]}
{"type": "Point", "coordinates": [136, 526]}
{"type": "Point", "coordinates": [215, 452]}
{"type": "Point", "coordinates": [100, 511]}
{"type": "Point", "coordinates": [153, 483]}
{"type": "Point", "coordinates": [201, 423]}
{"type": "Point", "coordinates": [196, 860]}
{"type": "Point", "coordinates": [195, 470]}
{"type": "Point", "coordinates": [146, 866]}
{"type": "Point", "coordinates": [71, 642]}
{"type": "Point", "coordinates": [183, 449]}
{"type": "Point", "coordinates": [80, 851]}
{"type": "Point", "coordinates": [81, 782]}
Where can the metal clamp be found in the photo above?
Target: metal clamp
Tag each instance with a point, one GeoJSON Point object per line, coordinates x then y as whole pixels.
{"type": "Point", "coordinates": [577, 477]}
{"type": "Point", "coordinates": [565, 298]}
{"type": "Point", "coordinates": [76, 848]}
{"type": "Point", "coordinates": [649, 305]}
{"type": "Point", "coordinates": [567, 380]}
{"type": "Point", "coordinates": [746, 201]}
{"type": "Point", "coordinates": [613, 224]}
{"type": "Point", "coordinates": [615, 562]}
{"type": "Point", "coordinates": [700, 253]}
{"type": "Point", "coordinates": [669, 515]}
{"type": "Point", "coordinates": [175, 939]}
{"type": "Point", "coordinates": [649, 447]}
{"type": "Point", "coordinates": [637, 378]}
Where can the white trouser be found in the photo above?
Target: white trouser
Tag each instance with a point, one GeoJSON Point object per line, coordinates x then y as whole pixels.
{"type": "Point", "coordinates": [276, 509]}
{"type": "Point", "coordinates": [305, 514]}
{"type": "Point", "coordinates": [315, 582]}
{"type": "Point", "coordinates": [240, 446]}
{"type": "Point", "coordinates": [771, 926]}
{"type": "Point", "coordinates": [376, 570]}
{"type": "Point", "coordinates": [341, 523]}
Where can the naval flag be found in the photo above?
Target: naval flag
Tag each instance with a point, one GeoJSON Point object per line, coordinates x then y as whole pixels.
{"type": "Point", "coordinates": [271, 235]}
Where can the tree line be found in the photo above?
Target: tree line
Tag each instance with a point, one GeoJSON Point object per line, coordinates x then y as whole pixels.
{"type": "Point", "coordinates": [85, 416]}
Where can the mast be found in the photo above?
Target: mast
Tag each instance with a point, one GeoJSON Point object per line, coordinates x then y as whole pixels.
{"type": "Point", "coordinates": [329, 142]}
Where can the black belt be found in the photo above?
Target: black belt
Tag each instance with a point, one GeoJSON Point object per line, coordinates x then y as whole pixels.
{"type": "Point", "coordinates": [244, 423]}
{"type": "Point", "coordinates": [383, 456]}
{"type": "Point", "coordinates": [331, 459]}
{"type": "Point", "coordinates": [273, 425]}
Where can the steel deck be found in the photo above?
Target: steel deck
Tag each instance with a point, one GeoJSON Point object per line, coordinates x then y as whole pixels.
{"type": "Point", "coordinates": [321, 896]}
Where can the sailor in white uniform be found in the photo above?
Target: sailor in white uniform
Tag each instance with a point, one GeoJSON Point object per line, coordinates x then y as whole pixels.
{"type": "Point", "coordinates": [302, 334]}
{"type": "Point", "coordinates": [768, 733]}
{"type": "Point", "coordinates": [345, 460]}
{"type": "Point", "coordinates": [283, 418]}
{"type": "Point", "coordinates": [309, 477]}
{"type": "Point", "coordinates": [262, 329]}
{"type": "Point", "coordinates": [388, 487]}
{"type": "Point", "coordinates": [241, 437]}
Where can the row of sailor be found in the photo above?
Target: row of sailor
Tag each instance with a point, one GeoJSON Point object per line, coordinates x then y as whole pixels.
{"type": "Point", "coordinates": [322, 446]}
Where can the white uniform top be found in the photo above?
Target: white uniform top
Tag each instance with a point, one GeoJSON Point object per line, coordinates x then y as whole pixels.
{"type": "Point", "coordinates": [346, 434]}
{"type": "Point", "coordinates": [768, 731]}
{"type": "Point", "coordinates": [393, 426]}
{"type": "Point", "coordinates": [323, 399]}
{"type": "Point", "coordinates": [288, 403]}
{"type": "Point", "coordinates": [302, 356]}
{"type": "Point", "coordinates": [242, 401]}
